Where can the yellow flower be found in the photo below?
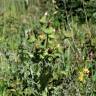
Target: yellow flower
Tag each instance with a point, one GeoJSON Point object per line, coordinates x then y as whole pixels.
{"type": "Point", "coordinates": [42, 36]}
{"type": "Point", "coordinates": [86, 71]}
{"type": "Point", "coordinates": [83, 73]}
{"type": "Point", "coordinates": [81, 76]}
{"type": "Point", "coordinates": [37, 46]}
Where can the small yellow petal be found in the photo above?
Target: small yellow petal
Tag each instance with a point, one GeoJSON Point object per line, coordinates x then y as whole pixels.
{"type": "Point", "coordinates": [85, 70]}
{"type": "Point", "coordinates": [81, 76]}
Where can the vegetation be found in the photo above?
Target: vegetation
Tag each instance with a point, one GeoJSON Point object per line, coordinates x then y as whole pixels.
{"type": "Point", "coordinates": [47, 48]}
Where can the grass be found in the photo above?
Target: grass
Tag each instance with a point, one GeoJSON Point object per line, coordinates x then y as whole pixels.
{"type": "Point", "coordinates": [37, 59]}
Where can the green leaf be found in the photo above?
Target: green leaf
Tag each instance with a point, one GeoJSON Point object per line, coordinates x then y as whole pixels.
{"type": "Point", "coordinates": [1, 39]}
{"type": "Point", "coordinates": [43, 19]}
{"type": "Point", "coordinates": [51, 36]}
{"type": "Point", "coordinates": [32, 39]}
{"type": "Point", "coordinates": [94, 15]}
{"type": "Point", "coordinates": [93, 40]}
{"type": "Point", "coordinates": [67, 43]}
{"type": "Point", "coordinates": [68, 34]}
{"type": "Point", "coordinates": [94, 77]}
{"type": "Point", "coordinates": [56, 23]}
{"type": "Point", "coordinates": [49, 30]}
{"type": "Point", "coordinates": [44, 93]}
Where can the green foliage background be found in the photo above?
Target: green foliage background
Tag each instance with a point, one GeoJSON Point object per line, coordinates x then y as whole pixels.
{"type": "Point", "coordinates": [47, 48]}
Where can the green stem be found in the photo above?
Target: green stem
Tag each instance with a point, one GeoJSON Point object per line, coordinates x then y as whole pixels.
{"type": "Point", "coordinates": [47, 41]}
